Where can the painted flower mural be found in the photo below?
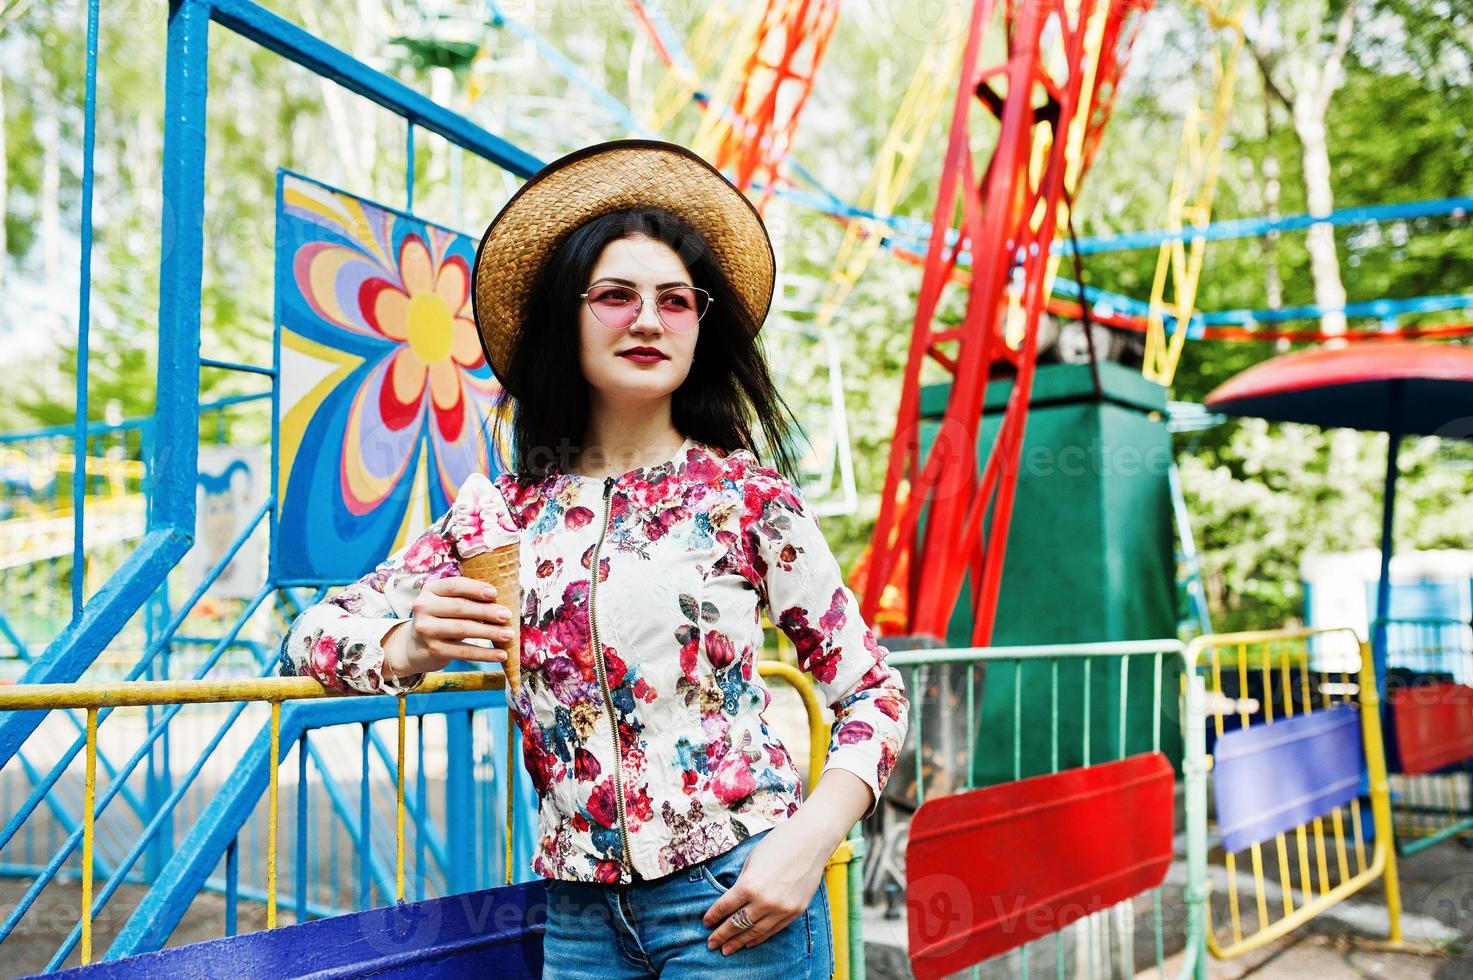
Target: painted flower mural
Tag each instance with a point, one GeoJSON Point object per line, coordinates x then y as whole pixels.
{"type": "Point", "coordinates": [385, 393]}
{"type": "Point", "coordinates": [427, 310]}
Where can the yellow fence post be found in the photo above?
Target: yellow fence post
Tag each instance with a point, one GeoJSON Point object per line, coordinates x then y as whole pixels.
{"type": "Point", "coordinates": [838, 867]}
{"type": "Point", "coordinates": [271, 816]}
{"type": "Point", "coordinates": [399, 804]}
{"type": "Point", "coordinates": [1370, 700]}
{"type": "Point", "coordinates": [89, 801]}
{"type": "Point", "coordinates": [511, 783]}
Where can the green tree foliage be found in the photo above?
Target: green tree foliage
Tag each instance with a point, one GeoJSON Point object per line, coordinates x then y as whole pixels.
{"type": "Point", "coordinates": [1261, 495]}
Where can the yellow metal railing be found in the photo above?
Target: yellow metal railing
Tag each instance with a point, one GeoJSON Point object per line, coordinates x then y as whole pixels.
{"type": "Point", "coordinates": [1179, 261]}
{"type": "Point", "coordinates": [1293, 682]}
{"type": "Point", "coordinates": [276, 690]}
{"type": "Point", "coordinates": [840, 864]}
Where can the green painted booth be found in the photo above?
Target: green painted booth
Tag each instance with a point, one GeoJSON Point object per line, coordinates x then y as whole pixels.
{"type": "Point", "coordinates": [1090, 558]}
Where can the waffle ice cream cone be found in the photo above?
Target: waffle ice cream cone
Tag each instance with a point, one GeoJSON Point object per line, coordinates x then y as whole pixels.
{"type": "Point", "coordinates": [501, 568]}
{"type": "Point", "coordinates": [488, 543]}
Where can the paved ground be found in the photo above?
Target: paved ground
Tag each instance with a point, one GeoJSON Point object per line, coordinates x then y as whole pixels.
{"type": "Point", "coordinates": [39, 934]}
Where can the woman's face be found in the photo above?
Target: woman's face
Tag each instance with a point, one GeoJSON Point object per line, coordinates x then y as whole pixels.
{"type": "Point", "coordinates": [645, 266]}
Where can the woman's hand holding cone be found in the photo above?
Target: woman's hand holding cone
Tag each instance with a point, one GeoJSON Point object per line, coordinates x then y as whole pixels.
{"type": "Point", "coordinates": [446, 613]}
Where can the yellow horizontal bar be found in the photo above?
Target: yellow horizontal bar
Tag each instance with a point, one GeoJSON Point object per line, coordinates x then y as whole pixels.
{"type": "Point", "coordinates": [134, 693]}
{"type": "Point", "coordinates": [1260, 636]}
{"type": "Point", "coordinates": [1218, 640]}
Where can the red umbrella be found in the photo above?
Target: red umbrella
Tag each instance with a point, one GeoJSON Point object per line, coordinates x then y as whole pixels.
{"type": "Point", "coordinates": [1397, 387]}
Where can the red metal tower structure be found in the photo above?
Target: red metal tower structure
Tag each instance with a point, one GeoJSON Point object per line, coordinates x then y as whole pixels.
{"type": "Point", "coordinates": [775, 84]}
{"type": "Point", "coordinates": [1051, 96]}
{"type": "Point", "coordinates": [771, 53]}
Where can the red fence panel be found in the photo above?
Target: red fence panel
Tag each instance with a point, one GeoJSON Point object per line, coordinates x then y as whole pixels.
{"type": "Point", "coordinates": [991, 869]}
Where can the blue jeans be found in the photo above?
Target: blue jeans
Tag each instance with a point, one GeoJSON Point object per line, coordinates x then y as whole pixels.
{"type": "Point", "coordinates": [653, 929]}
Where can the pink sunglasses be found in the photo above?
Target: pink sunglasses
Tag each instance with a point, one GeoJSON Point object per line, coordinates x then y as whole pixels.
{"type": "Point", "coordinates": [616, 306]}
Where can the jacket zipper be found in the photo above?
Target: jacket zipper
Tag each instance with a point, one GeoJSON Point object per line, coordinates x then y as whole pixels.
{"type": "Point", "coordinates": [603, 677]}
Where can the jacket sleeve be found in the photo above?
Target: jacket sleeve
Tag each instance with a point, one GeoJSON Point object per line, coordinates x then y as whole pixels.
{"type": "Point", "coordinates": [806, 597]}
{"type": "Point", "coordinates": [339, 640]}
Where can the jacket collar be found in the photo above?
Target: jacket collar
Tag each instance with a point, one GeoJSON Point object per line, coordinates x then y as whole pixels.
{"type": "Point", "coordinates": [653, 471]}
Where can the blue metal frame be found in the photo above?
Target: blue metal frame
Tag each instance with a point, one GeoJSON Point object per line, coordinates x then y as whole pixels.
{"type": "Point", "coordinates": [1388, 533]}
{"type": "Point", "coordinates": [270, 31]}
{"type": "Point", "coordinates": [143, 425]}
{"type": "Point", "coordinates": [14, 822]}
{"type": "Point", "coordinates": [171, 516]}
{"type": "Point", "coordinates": [1187, 551]}
{"type": "Point", "coordinates": [84, 303]}
{"type": "Point", "coordinates": [105, 796]}
{"type": "Point", "coordinates": [171, 470]}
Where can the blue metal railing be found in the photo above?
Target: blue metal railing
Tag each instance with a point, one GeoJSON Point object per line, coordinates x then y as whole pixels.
{"type": "Point", "coordinates": [458, 857]}
{"type": "Point", "coordinates": [84, 307]}
{"type": "Point", "coordinates": [227, 813]}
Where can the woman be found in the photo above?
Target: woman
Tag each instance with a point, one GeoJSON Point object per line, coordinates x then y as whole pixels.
{"type": "Point", "coordinates": [618, 295]}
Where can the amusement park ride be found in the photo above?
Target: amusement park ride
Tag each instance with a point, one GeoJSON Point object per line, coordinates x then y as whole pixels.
{"type": "Point", "coordinates": [1034, 83]}
{"type": "Point", "coordinates": [1051, 107]}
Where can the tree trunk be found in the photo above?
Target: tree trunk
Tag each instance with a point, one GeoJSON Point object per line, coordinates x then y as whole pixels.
{"type": "Point", "coordinates": [1273, 279]}
{"type": "Point", "coordinates": [1324, 260]}
{"type": "Point", "coordinates": [1303, 79]}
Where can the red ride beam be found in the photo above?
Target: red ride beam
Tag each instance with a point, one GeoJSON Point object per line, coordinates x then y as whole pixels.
{"type": "Point", "coordinates": [998, 224]}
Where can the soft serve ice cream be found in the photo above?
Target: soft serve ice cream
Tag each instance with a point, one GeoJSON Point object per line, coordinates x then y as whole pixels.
{"type": "Point", "coordinates": [488, 543]}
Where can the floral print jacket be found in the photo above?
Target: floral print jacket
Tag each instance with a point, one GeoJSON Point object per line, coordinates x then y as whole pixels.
{"type": "Point", "coordinates": [648, 669]}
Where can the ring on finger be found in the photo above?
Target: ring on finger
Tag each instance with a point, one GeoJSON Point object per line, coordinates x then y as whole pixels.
{"type": "Point", "coordinates": [741, 919]}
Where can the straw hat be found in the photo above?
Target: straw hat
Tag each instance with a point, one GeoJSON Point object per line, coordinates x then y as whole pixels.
{"type": "Point", "coordinates": [595, 180]}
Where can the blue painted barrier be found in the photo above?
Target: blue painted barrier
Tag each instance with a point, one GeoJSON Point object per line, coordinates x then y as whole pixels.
{"type": "Point", "coordinates": [495, 932]}
{"type": "Point", "coordinates": [1271, 778]}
